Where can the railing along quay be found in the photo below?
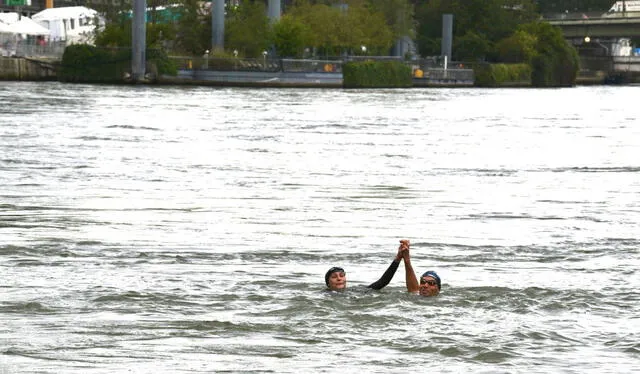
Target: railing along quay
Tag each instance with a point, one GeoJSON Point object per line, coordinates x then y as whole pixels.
{"type": "Point", "coordinates": [426, 72]}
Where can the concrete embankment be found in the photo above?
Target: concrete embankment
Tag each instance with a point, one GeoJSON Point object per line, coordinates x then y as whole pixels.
{"type": "Point", "coordinates": [287, 79]}
{"type": "Point", "coordinates": [254, 79]}
{"type": "Point", "coordinates": [26, 69]}
{"type": "Point", "coordinates": [36, 70]}
{"type": "Point", "coordinates": [23, 69]}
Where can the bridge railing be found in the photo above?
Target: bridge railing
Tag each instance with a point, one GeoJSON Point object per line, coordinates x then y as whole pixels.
{"type": "Point", "coordinates": [572, 16]}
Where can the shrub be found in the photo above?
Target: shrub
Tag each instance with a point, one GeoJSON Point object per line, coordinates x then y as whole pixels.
{"type": "Point", "coordinates": [86, 63]}
{"type": "Point", "coordinates": [376, 74]}
{"type": "Point", "coordinates": [555, 62]}
{"type": "Point", "coordinates": [491, 75]}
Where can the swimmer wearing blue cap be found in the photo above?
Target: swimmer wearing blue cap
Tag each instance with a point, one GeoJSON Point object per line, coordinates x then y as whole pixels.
{"type": "Point", "coordinates": [430, 283]}
{"type": "Point", "coordinates": [336, 277]}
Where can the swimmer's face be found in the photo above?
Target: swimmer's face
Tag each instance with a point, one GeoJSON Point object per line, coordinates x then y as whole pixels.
{"type": "Point", "coordinates": [338, 281]}
{"type": "Point", "coordinates": [428, 286]}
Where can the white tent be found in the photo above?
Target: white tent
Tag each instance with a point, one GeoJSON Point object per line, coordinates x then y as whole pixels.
{"type": "Point", "coordinates": [4, 28]}
{"type": "Point", "coordinates": [7, 40]}
{"type": "Point", "coordinates": [73, 24]}
{"type": "Point", "coordinates": [9, 17]}
{"type": "Point", "coordinates": [28, 26]}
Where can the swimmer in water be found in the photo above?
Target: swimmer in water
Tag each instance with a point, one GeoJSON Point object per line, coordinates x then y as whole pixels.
{"type": "Point", "coordinates": [336, 277]}
{"type": "Point", "coordinates": [429, 284]}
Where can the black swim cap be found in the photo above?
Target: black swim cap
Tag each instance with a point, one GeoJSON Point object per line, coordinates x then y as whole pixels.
{"type": "Point", "coordinates": [331, 271]}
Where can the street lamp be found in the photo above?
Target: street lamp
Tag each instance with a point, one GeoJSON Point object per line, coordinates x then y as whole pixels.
{"type": "Point", "coordinates": [587, 39]}
{"type": "Point", "coordinates": [364, 49]}
{"type": "Point", "coordinates": [235, 59]}
{"type": "Point", "coordinates": [264, 59]}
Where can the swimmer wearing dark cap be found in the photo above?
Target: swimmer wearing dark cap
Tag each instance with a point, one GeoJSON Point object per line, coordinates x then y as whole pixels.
{"type": "Point", "coordinates": [430, 283]}
{"type": "Point", "coordinates": [336, 277]}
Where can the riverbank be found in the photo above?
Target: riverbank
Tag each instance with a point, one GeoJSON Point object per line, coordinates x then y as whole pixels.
{"type": "Point", "coordinates": [27, 69]}
{"type": "Point", "coordinates": [22, 69]}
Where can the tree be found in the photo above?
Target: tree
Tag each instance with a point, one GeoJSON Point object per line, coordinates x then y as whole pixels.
{"type": "Point", "coordinates": [193, 28]}
{"type": "Point", "coordinates": [290, 36]}
{"type": "Point", "coordinates": [119, 35]}
{"type": "Point", "coordinates": [471, 47]}
{"type": "Point", "coordinates": [247, 29]}
{"type": "Point", "coordinates": [555, 62]}
{"type": "Point", "coordinates": [338, 29]}
{"type": "Point", "coordinates": [489, 19]}
{"type": "Point", "coordinates": [517, 48]}
{"type": "Point", "coordinates": [399, 16]}
{"type": "Point", "coordinates": [323, 21]}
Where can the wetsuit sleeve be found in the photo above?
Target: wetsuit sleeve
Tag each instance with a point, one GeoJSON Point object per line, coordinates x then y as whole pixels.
{"type": "Point", "coordinates": [386, 277]}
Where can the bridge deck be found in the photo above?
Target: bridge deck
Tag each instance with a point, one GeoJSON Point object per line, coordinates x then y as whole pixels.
{"type": "Point", "coordinates": [603, 26]}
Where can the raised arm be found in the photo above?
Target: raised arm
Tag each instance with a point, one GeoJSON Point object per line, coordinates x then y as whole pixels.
{"type": "Point", "coordinates": [389, 273]}
{"type": "Point", "coordinates": [410, 275]}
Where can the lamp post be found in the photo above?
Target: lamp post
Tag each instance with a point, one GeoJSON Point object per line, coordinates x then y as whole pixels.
{"type": "Point", "coordinates": [235, 59]}
{"type": "Point", "coordinates": [206, 59]}
{"type": "Point", "coordinates": [364, 49]}
{"type": "Point", "coordinates": [264, 59]}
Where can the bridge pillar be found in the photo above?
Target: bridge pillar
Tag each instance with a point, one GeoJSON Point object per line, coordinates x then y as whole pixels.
{"type": "Point", "coordinates": [274, 10]}
{"type": "Point", "coordinates": [138, 40]}
{"type": "Point", "coordinates": [217, 25]}
{"type": "Point", "coordinates": [447, 35]}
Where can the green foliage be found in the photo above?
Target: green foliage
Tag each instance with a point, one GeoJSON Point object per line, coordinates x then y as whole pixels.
{"type": "Point", "coordinates": [376, 74]}
{"type": "Point", "coordinates": [247, 29]}
{"type": "Point", "coordinates": [118, 35]}
{"type": "Point", "coordinates": [336, 30]}
{"type": "Point", "coordinates": [362, 26]}
{"type": "Point", "coordinates": [115, 35]}
{"type": "Point", "coordinates": [193, 29]}
{"type": "Point", "coordinates": [470, 47]}
{"type": "Point", "coordinates": [290, 37]}
{"type": "Point", "coordinates": [491, 75]}
{"type": "Point", "coordinates": [399, 16]}
{"type": "Point", "coordinates": [492, 20]}
{"type": "Point", "coordinates": [559, 69]}
{"type": "Point", "coordinates": [86, 63]}
{"type": "Point", "coordinates": [158, 33]}
{"type": "Point", "coordinates": [159, 58]}
{"type": "Point", "coordinates": [519, 47]}
{"type": "Point", "coordinates": [555, 63]}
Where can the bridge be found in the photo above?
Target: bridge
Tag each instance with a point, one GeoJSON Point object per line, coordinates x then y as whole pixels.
{"type": "Point", "coordinates": [580, 25]}
{"type": "Point", "coordinates": [598, 38]}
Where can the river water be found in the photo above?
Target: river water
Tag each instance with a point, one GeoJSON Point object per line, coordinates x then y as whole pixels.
{"type": "Point", "coordinates": [188, 229]}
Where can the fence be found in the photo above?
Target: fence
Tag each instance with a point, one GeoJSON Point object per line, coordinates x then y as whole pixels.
{"type": "Point", "coordinates": [258, 65]}
{"type": "Point", "coordinates": [454, 70]}
{"type": "Point", "coordinates": [449, 74]}
{"type": "Point", "coordinates": [31, 48]}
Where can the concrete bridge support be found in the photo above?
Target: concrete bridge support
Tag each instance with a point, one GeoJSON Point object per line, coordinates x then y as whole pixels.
{"type": "Point", "coordinates": [138, 40]}
{"type": "Point", "coordinates": [274, 10]}
{"type": "Point", "coordinates": [217, 25]}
